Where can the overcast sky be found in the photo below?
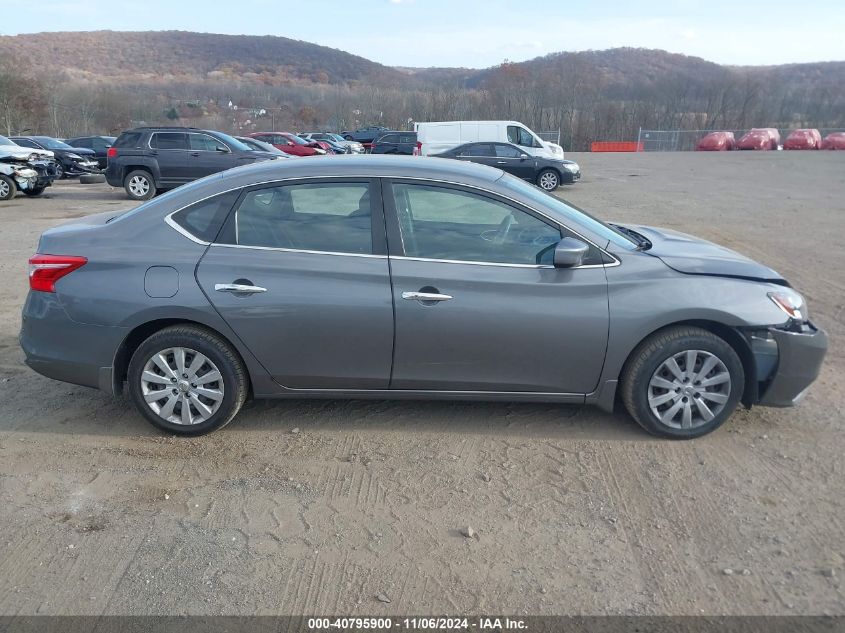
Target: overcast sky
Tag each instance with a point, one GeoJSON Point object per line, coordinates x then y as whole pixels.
{"type": "Point", "coordinates": [478, 33]}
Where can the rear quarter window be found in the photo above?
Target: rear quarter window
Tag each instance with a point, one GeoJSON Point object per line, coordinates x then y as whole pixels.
{"type": "Point", "coordinates": [129, 139]}
{"type": "Point", "coordinates": [204, 219]}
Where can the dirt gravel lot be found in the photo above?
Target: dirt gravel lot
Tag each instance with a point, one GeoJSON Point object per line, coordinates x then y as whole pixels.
{"type": "Point", "coordinates": [315, 507]}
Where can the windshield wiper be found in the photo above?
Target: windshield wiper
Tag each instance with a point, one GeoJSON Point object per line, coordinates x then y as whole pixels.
{"type": "Point", "coordinates": [642, 242]}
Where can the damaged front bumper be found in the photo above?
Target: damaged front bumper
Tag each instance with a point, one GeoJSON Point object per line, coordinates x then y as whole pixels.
{"type": "Point", "coordinates": [788, 360]}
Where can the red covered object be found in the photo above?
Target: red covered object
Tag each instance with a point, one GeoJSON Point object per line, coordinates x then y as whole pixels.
{"type": "Point", "coordinates": [716, 142]}
{"type": "Point", "coordinates": [761, 138]}
{"type": "Point", "coordinates": [803, 139]}
{"type": "Point", "coordinates": [834, 140]}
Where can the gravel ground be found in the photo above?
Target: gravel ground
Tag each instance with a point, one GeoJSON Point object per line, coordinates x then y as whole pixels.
{"type": "Point", "coordinates": [316, 507]}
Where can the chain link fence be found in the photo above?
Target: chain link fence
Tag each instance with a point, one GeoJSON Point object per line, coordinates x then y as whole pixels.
{"type": "Point", "coordinates": [551, 136]}
{"type": "Point", "coordinates": [685, 140]}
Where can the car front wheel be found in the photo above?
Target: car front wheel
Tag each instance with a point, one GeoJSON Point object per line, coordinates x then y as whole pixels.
{"type": "Point", "coordinates": [186, 380]}
{"type": "Point", "coordinates": [548, 179]}
{"type": "Point", "coordinates": [139, 185]}
{"type": "Point", "coordinates": [682, 382]}
{"type": "Point", "coordinates": [8, 188]}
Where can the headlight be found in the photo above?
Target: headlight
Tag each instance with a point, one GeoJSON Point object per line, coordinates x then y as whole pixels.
{"type": "Point", "coordinates": [573, 167]}
{"type": "Point", "coordinates": [791, 303]}
{"type": "Point", "coordinates": [74, 156]}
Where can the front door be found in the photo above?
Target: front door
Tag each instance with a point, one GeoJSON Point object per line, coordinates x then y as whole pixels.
{"type": "Point", "coordinates": [207, 155]}
{"type": "Point", "coordinates": [479, 306]}
{"type": "Point", "coordinates": [300, 273]}
{"type": "Point", "coordinates": [510, 159]}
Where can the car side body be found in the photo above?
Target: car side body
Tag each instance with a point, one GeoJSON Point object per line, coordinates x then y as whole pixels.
{"type": "Point", "coordinates": [98, 144]}
{"type": "Point", "coordinates": [402, 143]}
{"type": "Point", "coordinates": [395, 298]}
{"type": "Point", "coordinates": [70, 161]}
{"type": "Point", "coordinates": [547, 173]}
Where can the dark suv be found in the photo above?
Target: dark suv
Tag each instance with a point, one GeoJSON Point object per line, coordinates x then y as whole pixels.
{"type": "Point", "coordinates": [145, 160]}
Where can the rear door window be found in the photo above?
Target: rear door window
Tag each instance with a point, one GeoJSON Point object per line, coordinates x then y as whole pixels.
{"type": "Point", "coordinates": [478, 149]}
{"type": "Point", "coordinates": [169, 140]}
{"type": "Point", "coordinates": [330, 217]}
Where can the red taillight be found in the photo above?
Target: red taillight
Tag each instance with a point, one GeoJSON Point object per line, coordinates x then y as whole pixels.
{"type": "Point", "coordinates": [111, 152]}
{"type": "Point", "coordinates": [418, 149]}
{"type": "Point", "coordinates": [46, 270]}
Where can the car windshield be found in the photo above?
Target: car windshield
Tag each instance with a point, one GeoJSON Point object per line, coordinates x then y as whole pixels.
{"type": "Point", "coordinates": [51, 143]}
{"type": "Point", "coordinates": [234, 143]}
{"type": "Point", "coordinates": [6, 141]}
{"type": "Point", "coordinates": [569, 211]}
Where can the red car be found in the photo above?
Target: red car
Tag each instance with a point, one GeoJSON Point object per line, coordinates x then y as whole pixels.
{"type": "Point", "coordinates": [289, 143]}
{"type": "Point", "coordinates": [834, 140]}
{"type": "Point", "coordinates": [760, 138]}
{"type": "Point", "coordinates": [716, 142]}
{"type": "Point", "coordinates": [803, 139]}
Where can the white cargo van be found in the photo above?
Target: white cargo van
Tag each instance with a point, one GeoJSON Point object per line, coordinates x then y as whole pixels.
{"type": "Point", "coordinates": [440, 136]}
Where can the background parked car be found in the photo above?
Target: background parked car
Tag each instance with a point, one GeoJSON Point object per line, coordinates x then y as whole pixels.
{"type": "Point", "coordinates": [354, 146]}
{"type": "Point", "coordinates": [290, 143]}
{"type": "Point", "coordinates": [395, 143]}
{"type": "Point", "coordinates": [547, 173]}
{"type": "Point", "coordinates": [834, 140]}
{"type": "Point", "coordinates": [70, 161]}
{"type": "Point", "coordinates": [762, 138]}
{"type": "Point", "coordinates": [716, 142]}
{"type": "Point", "coordinates": [24, 169]}
{"type": "Point", "coordinates": [261, 146]}
{"type": "Point", "coordinates": [100, 145]}
{"type": "Point", "coordinates": [145, 160]}
{"type": "Point", "coordinates": [365, 134]}
{"type": "Point", "coordinates": [803, 139]}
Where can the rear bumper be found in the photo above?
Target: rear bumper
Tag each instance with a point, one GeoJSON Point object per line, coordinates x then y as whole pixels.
{"type": "Point", "coordinates": [62, 349]}
{"type": "Point", "coordinates": [800, 356]}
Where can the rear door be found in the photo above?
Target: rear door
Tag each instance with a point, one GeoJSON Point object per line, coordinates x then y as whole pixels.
{"type": "Point", "coordinates": [300, 273]}
{"type": "Point", "coordinates": [478, 153]}
{"type": "Point", "coordinates": [170, 150]}
{"type": "Point", "coordinates": [479, 305]}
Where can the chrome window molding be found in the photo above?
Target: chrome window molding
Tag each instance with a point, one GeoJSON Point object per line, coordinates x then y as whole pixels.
{"type": "Point", "coordinates": [279, 181]}
{"type": "Point", "coordinates": [299, 250]}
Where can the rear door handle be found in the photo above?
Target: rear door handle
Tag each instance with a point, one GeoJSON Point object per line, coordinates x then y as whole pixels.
{"type": "Point", "coordinates": [425, 296]}
{"type": "Point", "coordinates": [239, 288]}
{"type": "Point", "coordinates": [195, 153]}
{"type": "Point", "coordinates": [501, 162]}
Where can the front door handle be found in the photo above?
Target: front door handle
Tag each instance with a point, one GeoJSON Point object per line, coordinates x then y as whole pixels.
{"type": "Point", "coordinates": [425, 296]}
{"type": "Point", "coordinates": [501, 162]}
{"type": "Point", "coordinates": [239, 288]}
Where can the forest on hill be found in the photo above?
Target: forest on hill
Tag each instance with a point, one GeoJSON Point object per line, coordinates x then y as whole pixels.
{"type": "Point", "coordinates": [64, 84]}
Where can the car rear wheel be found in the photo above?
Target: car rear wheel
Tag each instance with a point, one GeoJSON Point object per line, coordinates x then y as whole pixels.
{"type": "Point", "coordinates": [682, 382]}
{"type": "Point", "coordinates": [8, 188]}
{"type": "Point", "coordinates": [548, 179]}
{"type": "Point", "coordinates": [186, 380]}
{"type": "Point", "coordinates": [139, 185]}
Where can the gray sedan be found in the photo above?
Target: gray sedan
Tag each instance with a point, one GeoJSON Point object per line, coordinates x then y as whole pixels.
{"type": "Point", "coordinates": [415, 278]}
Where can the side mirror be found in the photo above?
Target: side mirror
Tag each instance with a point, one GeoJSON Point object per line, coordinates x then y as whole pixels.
{"type": "Point", "coordinates": [523, 157]}
{"type": "Point", "coordinates": [220, 148]}
{"type": "Point", "coordinates": [570, 252]}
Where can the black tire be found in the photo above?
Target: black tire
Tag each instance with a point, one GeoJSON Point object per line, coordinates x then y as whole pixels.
{"type": "Point", "coordinates": [649, 355]}
{"type": "Point", "coordinates": [8, 188]}
{"type": "Point", "coordinates": [220, 353]}
{"type": "Point", "coordinates": [60, 170]}
{"type": "Point", "coordinates": [35, 191]}
{"type": "Point", "coordinates": [91, 179]}
{"type": "Point", "coordinates": [139, 185]}
{"type": "Point", "coordinates": [548, 180]}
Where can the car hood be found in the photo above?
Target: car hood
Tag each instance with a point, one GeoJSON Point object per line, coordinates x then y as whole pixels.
{"type": "Point", "coordinates": [22, 153]}
{"type": "Point", "coordinates": [694, 256]}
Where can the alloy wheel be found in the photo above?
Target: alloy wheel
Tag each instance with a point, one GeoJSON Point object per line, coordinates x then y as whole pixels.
{"type": "Point", "coordinates": [182, 386]}
{"type": "Point", "coordinates": [548, 181]}
{"type": "Point", "coordinates": [139, 186]}
{"type": "Point", "coordinates": [4, 189]}
{"type": "Point", "coordinates": [689, 389]}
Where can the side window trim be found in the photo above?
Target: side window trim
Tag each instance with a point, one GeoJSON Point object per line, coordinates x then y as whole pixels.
{"type": "Point", "coordinates": [394, 234]}
{"type": "Point", "coordinates": [227, 236]}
